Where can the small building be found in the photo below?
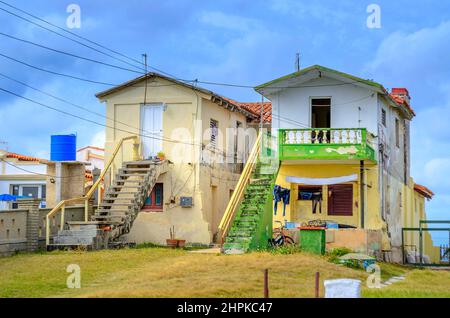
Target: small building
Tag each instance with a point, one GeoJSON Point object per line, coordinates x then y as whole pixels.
{"type": "Point", "coordinates": [22, 176]}
{"type": "Point", "coordinates": [93, 155]}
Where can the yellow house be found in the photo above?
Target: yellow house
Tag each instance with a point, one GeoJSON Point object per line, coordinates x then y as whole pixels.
{"type": "Point", "coordinates": [343, 147]}
{"type": "Point", "coordinates": [200, 134]}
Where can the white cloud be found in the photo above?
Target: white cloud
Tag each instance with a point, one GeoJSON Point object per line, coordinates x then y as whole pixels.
{"type": "Point", "coordinates": [419, 61]}
{"type": "Point", "coordinates": [437, 172]}
{"type": "Point", "coordinates": [227, 21]}
{"type": "Point", "coordinates": [98, 140]}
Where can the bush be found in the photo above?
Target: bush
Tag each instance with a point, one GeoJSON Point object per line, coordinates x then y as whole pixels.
{"type": "Point", "coordinates": [285, 250]}
{"type": "Point", "coordinates": [335, 253]}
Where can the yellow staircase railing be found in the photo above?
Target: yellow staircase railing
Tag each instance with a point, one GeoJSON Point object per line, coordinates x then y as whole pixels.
{"type": "Point", "coordinates": [60, 207]}
{"type": "Point", "coordinates": [238, 193]}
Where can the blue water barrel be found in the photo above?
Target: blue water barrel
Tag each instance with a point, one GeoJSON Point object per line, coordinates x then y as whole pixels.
{"type": "Point", "coordinates": [63, 147]}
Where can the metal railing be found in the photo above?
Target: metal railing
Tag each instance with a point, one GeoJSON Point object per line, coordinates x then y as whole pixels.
{"type": "Point", "coordinates": [60, 207]}
{"type": "Point", "coordinates": [238, 193]}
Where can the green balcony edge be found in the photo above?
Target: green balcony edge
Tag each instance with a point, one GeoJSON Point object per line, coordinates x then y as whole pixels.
{"type": "Point", "coordinates": [325, 151]}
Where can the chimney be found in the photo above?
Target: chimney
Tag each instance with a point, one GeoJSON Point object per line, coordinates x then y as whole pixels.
{"type": "Point", "coordinates": [402, 93]}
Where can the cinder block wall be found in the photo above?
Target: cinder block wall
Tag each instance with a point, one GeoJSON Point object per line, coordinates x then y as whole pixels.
{"type": "Point", "coordinates": [23, 229]}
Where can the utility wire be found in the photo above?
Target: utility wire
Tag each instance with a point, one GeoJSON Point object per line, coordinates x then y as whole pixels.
{"type": "Point", "coordinates": [55, 73]}
{"type": "Point", "coordinates": [37, 173]}
{"type": "Point", "coordinates": [69, 54]}
{"type": "Point", "coordinates": [66, 37]}
{"type": "Point", "coordinates": [72, 104]}
{"type": "Point", "coordinates": [71, 33]}
{"type": "Point", "coordinates": [90, 121]}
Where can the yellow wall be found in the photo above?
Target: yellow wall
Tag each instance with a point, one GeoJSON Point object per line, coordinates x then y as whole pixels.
{"type": "Point", "coordinates": [301, 211]}
{"type": "Point", "coordinates": [185, 119]}
{"type": "Point", "coordinates": [413, 213]}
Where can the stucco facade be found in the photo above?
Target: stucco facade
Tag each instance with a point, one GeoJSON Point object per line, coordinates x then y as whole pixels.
{"type": "Point", "coordinates": [199, 168]}
{"type": "Point", "coordinates": [380, 121]}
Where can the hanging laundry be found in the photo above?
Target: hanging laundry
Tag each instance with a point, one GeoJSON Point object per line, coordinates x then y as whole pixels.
{"type": "Point", "coordinates": [317, 201]}
{"type": "Point", "coordinates": [281, 194]}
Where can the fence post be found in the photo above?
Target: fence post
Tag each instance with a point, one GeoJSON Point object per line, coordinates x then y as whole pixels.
{"type": "Point", "coordinates": [32, 205]}
{"type": "Point", "coordinates": [317, 285]}
{"type": "Point", "coordinates": [266, 283]}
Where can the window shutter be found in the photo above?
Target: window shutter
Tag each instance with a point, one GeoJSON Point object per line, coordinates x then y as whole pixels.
{"type": "Point", "coordinates": [214, 126]}
{"type": "Point", "coordinates": [340, 199]}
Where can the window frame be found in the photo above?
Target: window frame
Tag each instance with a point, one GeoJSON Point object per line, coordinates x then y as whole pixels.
{"type": "Point", "coordinates": [153, 207]}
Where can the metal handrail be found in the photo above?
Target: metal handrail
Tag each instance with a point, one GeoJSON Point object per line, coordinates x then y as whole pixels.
{"type": "Point", "coordinates": [238, 193]}
{"type": "Point", "coordinates": [62, 205]}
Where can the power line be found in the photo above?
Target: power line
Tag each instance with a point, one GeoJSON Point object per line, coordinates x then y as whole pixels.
{"type": "Point", "coordinates": [37, 173]}
{"type": "Point", "coordinates": [68, 54]}
{"type": "Point", "coordinates": [69, 32]}
{"type": "Point", "coordinates": [141, 65]}
{"type": "Point", "coordinates": [66, 37]}
{"type": "Point", "coordinates": [91, 121]}
{"type": "Point", "coordinates": [72, 104]}
{"type": "Point", "coordinates": [55, 73]}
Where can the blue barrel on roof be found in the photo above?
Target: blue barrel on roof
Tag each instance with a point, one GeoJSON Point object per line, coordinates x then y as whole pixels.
{"type": "Point", "coordinates": [63, 147]}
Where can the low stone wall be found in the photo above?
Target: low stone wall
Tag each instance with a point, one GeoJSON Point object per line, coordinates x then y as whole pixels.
{"type": "Point", "coordinates": [24, 229]}
{"type": "Point", "coordinates": [358, 240]}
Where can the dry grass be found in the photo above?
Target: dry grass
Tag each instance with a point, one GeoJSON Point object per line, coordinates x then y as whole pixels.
{"type": "Point", "coordinates": [159, 272]}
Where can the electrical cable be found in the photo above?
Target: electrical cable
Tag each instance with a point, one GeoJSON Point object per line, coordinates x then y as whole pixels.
{"type": "Point", "coordinates": [69, 54]}
{"type": "Point", "coordinates": [66, 37]}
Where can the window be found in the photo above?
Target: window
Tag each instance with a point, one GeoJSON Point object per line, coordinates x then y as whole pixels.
{"type": "Point", "coordinates": [306, 192]}
{"type": "Point", "coordinates": [397, 132]}
{"type": "Point", "coordinates": [383, 117]}
{"type": "Point", "coordinates": [313, 194]}
{"type": "Point", "coordinates": [155, 200]}
{"type": "Point", "coordinates": [214, 126]}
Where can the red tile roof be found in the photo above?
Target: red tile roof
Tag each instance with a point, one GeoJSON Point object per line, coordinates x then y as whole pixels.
{"type": "Point", "coordinates": [401, 101]}
{"type": "Point", "coordinates": [22, 157]}
{"type": "Point", "coordinates": [88, 174]}
{"type": "Point", "coordinates": [423, 190]}
{"type": "Point", "coordinates": [255, 108]}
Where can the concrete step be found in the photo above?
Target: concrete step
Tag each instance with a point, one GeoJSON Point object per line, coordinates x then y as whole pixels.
{"type": "Point", "coordinates": [118, 204]}
{"type": "Point", "coordinates": [99, 211]}
{"type": "Point", "coordinates": [126, 180]}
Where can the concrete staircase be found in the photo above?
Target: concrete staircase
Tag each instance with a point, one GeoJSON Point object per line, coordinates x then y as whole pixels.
{"type": "Point", "coordinates": [119, 208]}
{"type": "Point", "coordinates": [252, 225]}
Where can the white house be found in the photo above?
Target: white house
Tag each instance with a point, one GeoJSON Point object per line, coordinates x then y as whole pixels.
{"type": "Point", "coordinates": [22, 176]}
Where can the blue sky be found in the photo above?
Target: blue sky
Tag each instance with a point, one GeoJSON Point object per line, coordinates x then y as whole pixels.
{"type": "Point", "coordinates": [245, 42]}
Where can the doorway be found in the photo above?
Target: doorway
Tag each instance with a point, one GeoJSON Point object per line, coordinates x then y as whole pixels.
{"type": "Point", "coordinates": [151, 126]}
{"type": "Point", "coordinates": [320, 118]}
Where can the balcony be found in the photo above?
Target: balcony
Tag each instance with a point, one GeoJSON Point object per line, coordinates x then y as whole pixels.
{"type": "Point", "coordinates": [325, 144]}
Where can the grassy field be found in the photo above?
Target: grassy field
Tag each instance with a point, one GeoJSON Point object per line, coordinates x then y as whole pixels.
{"type": "Point", "coordinates": [161, 272]}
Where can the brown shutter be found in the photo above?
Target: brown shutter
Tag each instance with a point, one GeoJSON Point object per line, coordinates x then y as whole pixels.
{"type": "Point", "coordinates": [340, 199]}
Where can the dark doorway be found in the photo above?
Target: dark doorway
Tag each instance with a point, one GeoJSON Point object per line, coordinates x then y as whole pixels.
{"type": "Point", "coordinates": [340, 199]}
{"type": "Point", "coordinates": [321, 113]}
{"type": "Point", "coordinates": [320, 118]}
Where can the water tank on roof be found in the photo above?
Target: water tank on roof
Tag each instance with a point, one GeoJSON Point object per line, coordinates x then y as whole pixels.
{"type": "Point", "coordinates": [63, 148]}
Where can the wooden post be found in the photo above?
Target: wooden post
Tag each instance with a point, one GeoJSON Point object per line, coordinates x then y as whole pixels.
{"type": "Point", "coordinates": [63, 212]}
{"type": "Point", "coordinates": [266, 283]}
{"type": "Point", "coordinates": [317, 285]}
